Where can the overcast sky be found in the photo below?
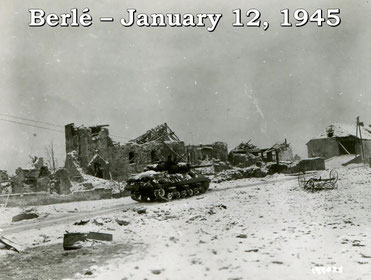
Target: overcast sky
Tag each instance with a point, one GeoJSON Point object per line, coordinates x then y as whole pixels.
{"type": "Point", "coordinates": [231, 85]}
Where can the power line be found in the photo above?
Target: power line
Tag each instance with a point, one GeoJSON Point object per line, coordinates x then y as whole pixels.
{"type": "Point", "coordinates": [24, 119]}
{"type": "Point", "coordinates": [26, 124]}
{"type": "Point", "coordinates": [47, 123]}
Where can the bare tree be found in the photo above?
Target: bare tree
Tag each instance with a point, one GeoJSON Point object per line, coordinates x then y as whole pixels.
{"type": "Point", "coordinates": [50, 156]}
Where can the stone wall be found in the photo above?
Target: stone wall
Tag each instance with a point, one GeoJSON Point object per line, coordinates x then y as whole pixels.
{"type": "Point", "coordinates": [323, 147]}
{"type": "Point", "coordinates": [309, 164]}
{"type": "Point", "coordinates": [43, 198]}
{"type": "Point", "coordinates": [243, 159]}
{"type": "Point", "coordinates": [286, 154]}
{"type": "Point", "coordinates": [216, 150]}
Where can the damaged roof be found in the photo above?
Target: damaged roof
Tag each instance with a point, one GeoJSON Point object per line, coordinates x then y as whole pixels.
{"type": "Point", "coordinates": [344, 130]}
{"type": "Point", "coordinates": [279, 146]}
{"type": "Point", "coordinates": [161, 132]}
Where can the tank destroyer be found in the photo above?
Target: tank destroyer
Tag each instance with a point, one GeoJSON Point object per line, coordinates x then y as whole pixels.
{"type": "Point", "coordinates": [166, 181]}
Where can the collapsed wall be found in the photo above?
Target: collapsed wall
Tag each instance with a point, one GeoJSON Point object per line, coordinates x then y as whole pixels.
{"type": "Point", "coordinates": [38, 178]}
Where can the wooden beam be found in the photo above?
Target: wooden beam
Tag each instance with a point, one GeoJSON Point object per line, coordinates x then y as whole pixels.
{"type": "Point", "coordinates": [341, 145]}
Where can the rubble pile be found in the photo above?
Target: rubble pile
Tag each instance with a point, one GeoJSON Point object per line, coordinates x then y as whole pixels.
{"type": "Point", "coordinates": [90, 182]}
{"type": "Point", "coordinates": [241, 173]}
{"type": "Point", "coordinates": [81, 181]}
{"type": "Point", "coordinates": [34, 179]}
{"type": "Point", "coordinates": [37, 178]}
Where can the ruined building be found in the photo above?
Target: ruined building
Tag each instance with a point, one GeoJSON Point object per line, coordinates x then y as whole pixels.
{"type": "Point", "coordinates": [34, 179]}
{"type": "Point", "coordinates": [247, 154]}
{"type": "Point", "coordinates": [278, 152]}
{"type": "Point", "coordinates": [340, 139]}
{"type": "Point", "coordinates": [91, 150]}
{"type": "Point", "coordinates": [215, 151]}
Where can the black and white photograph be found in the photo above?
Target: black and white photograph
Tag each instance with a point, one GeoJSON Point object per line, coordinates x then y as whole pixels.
{"type": "Point", "coordinates": [176, 140]}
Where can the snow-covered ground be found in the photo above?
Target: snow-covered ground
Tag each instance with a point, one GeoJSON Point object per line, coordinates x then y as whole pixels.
{"type": "Point", "coordinates": [261, 231]}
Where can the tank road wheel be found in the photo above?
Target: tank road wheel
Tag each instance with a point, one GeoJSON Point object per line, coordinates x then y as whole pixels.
{"type": "Point", "coordinates": [145, 198]}
{"type": "Point", "coordinates": [176, 195]}
{"type": "Point", "coordinates": [183, 194]}
{"type": "Point", "coordinates": [202, 189]}
{"type": "Point", "coordinates": [190, 192]}
{"type": "Point", "coordinates": [160, 194]}
{"type": "Point", "coordinates": [135, 196]}
{"type": "Point", "coordinates": [196, 191]}
{"type": "Point", "coordinates": [169, 195]}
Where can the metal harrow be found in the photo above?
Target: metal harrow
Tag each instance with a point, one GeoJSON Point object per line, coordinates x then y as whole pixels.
{"type": "Point", "coordinates": [317, 184]}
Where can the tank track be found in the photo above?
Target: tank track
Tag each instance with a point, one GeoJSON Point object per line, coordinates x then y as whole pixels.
{"type": "Point", "coordinates": [168, 193]}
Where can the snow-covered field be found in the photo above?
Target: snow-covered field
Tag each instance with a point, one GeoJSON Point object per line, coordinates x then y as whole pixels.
{"type": "Point", "coordinates": [262, 231]}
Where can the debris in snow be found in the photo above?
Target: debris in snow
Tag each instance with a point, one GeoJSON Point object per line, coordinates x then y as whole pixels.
{"type": "Point", "coordinates": [242, 235]}
{"type": "Point", "coordinates": [73, 241]}
{"type": "Point", "coordinates": [277, 262]}
{"type": "Point", "coordinates": [156, 271]}
{"type": "Point", "coordinates": [100, 236]}
{"type": "Point", "coordinates": [141, 210]}
{"type": "Point", "coordinates": [211, 212]}
{"type": "Point", "coordinates": [10, 245]}
{"type": "Point", "coordinates": [252, 250]}
{"type": "Point", "coordinates": [88, 272]}
{"type": "Point", "coordinates": [82, 222]}
{"type": "Point", "coordinates": [357, 243]}
{"type": "Point", "coordinates": [122, 222]}
{"type": "Point", "coordinates": [98, 222]}
{"type": "Point", "coordinates": [45, 238]}
{"type": "Point", "coordinates": [25, 216]}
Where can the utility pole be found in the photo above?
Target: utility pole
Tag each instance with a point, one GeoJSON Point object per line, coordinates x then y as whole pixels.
{"type": "Point", "coordinates": [358, 129]}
